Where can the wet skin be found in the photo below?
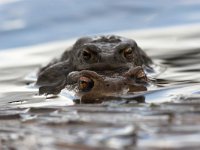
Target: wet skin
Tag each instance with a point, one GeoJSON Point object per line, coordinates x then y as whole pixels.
{"type": "Point", "coordinates": [99, 66]}
{"type": "Point", "coordinates": [92, 87]}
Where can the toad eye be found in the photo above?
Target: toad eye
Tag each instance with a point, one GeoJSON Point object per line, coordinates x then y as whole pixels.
{"type": "Point", "coordinates": [86, 54]}
{"type": "Point", "coordinates": [128, 52]}
{"type": "Point", "coordinates": [85, 84]}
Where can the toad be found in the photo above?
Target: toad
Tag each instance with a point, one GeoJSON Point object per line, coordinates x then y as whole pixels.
{"type": "Point", "coordinates": [99, 66]}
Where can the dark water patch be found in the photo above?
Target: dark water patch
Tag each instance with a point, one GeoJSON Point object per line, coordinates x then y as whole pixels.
{"type": "Point", "coordinates": [9, 116]}
{"type": "Point", "coordinates": [42, 110]}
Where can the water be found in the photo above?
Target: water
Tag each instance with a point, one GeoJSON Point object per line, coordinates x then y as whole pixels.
{"type": "Point", "coordinates": [167, 118]}
{"type": "Point", "coordinates": [28, 22]}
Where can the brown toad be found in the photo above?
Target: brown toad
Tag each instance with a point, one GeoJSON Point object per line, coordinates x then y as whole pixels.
{"type": "Point", "coordinates": [112, 58]}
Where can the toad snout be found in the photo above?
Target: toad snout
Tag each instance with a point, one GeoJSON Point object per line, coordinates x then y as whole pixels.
{"type": "Point", "coordinates": [91, 85]}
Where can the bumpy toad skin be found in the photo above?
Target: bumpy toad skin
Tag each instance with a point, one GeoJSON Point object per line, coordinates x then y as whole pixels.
{"type": "Point", "coordinates": [109, 56]}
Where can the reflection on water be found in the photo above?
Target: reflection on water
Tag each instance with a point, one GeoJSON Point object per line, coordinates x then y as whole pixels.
{"type": "Point", "coordinates": [166, 116]}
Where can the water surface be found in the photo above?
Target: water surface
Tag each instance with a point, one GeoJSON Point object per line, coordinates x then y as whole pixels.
{"type": "Point", "coordinates": [168, 118]}
{"type": "Point", "coordinates": [28, 22]}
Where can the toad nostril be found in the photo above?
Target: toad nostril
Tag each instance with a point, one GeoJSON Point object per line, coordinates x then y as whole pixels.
{"type": "Point", "coordinates": [85, 84]}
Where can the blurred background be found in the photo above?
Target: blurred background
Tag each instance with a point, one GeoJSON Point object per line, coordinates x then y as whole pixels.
{"type": "Point", "coordinates": [30, 22]}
